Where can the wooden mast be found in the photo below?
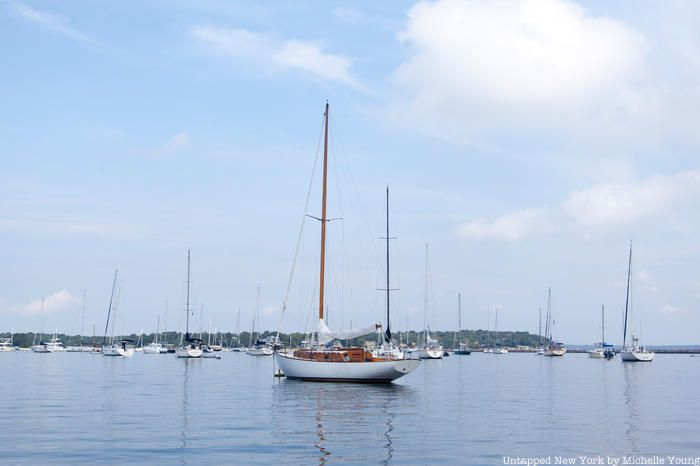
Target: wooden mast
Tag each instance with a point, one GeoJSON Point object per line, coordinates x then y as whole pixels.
{"type": "Point", "coordinates": [323, 217]}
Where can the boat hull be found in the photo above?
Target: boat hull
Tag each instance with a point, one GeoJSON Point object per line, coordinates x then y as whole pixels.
{"type": "Point", "coordinates": [554, 352]}
{"type": "Point", "coordinates": [462, 352]}
{"type": "Point", "coordinates": [596, 354]}
{"type": "Point", "coordinates": [358, 372]}
{"type": "Point", "coordinates": [189, 353]}
{"type": "Point", "coordinates": [637, 356]}
{"type": "Point", "coordinates": [428, 353]}
{"type": "Point", "coordinates": [266, 351]}
{"type": "Point", "coordinates": [154, 349]}
{"type": "Point", "coordinates": [117, 351]}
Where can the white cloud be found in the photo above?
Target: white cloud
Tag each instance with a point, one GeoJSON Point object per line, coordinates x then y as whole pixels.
{"type": "Point", "coordinates": [55, 302]}
{"type": "Point", "coordinates": [509, 227]}
{"type": "Point", "coordinates": [608, 205]}
{"type": "Point", "coordinates": [293, 54]}
{"type": "Point", "coordinates": [49, 21]}
{"type": "Point", "coordinates": [478, 64]}
{"type": "Point", "coordinates": [349, 15]}
{"type": "Point", "coordinates": [668, 201]}
{"type": "Point", "coordinates": [673, 310]}
{"type": "Point", "coordinates": [178, 142]}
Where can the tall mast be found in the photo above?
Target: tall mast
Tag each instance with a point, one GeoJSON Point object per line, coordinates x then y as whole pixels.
{"type": "Point", "coordinates": [425, 298]}
{"type": "Point", "coordinates": [602, 325]}
{"type": "Point", "coordinates": [109, 310]}
{"type": "Point", "coordinates": [82, 320]}
{"type": "Point", "coordinates": [627, 297]}
{"type": "Point", "coordinates": [388, 291]}
{"type": "Point", "coordinates": [539, 331]}
{"type": "Point", "coordinates": [387, 334]}
{"type": "Point", "coordinates": [459, 314]}
{"type": "Point", "coordinates": [323, 216]}
{"type": "Point", "coordinates": [187, 302]}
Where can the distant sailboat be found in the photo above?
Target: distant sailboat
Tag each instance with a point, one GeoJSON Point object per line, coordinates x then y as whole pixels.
{"type": "Point", "coordinates": [191, 347]}
{"type": "Point", "coordinates": [431, 348]}
{"type": "Point", "coordinates": [259, 347]}
{"type": "Point", "coordinates": [633, 352]}
{"type": "Point", "coordinates": [553, 348]}
{"type": "Point", "coordinates": [115, 347]}
{"type": "Point", "coordinates": [498, 347]}
{"type": "Point", "coordinates": [601, 350]}
{"type": "Point", "coordinates": [155, 347]}
{"type": "Point", "coordinates": [462, 348]}
{"type": "Point", "coordinates": [321, 360]}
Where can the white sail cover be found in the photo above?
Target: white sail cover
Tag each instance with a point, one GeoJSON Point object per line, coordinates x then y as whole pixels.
{"type": "Point", "coordinates": [325, 334]}
{"type": "Point", "coordinates": [429, 340]}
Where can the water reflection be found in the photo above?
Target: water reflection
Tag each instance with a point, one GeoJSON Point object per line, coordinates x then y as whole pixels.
{"type": "Point", "coordinates": [630, 393]}
{"type": "Point", "coordinates": [340, 421]}
{"type": "Point", "coordinates": [185, 410]}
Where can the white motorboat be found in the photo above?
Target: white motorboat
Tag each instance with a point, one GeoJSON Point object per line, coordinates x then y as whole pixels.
{"type": "Point", "coordinates": [261, 350]}
{"type": "Point", "coordinates": [6, 345]}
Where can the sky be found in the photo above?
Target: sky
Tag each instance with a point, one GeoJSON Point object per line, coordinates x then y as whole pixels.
{"type": "Point", "coordinates": [526, 142]}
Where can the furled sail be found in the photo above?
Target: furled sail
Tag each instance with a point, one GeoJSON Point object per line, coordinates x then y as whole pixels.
{"type": "Point", "coordinates": [429, 340]}
{"type": "Point", "coordinates": [325, 334]}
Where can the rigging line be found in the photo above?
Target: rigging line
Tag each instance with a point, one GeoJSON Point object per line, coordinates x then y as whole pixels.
{"type": "Point", "coordinates": [377, 254]}
{"type": "Point", "coordinates": [301, 228]}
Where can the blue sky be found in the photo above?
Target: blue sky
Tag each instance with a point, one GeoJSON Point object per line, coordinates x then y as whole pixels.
{"type": "Point", "coordinates": [526, 141]}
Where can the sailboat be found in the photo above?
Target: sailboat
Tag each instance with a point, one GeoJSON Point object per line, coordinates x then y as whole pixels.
{"type": "Point", "coordinates": [320, 360]}
{"type": "Point", "coordinates": [155, 347]}
{"type": "Point", "coordinates": [191, 348]}
{"type": "Point", "coordinates": [259, 347]}
{"type": "Point", "coordinates": [498, 348]}
{"type": "Point", "coordinates": [633, 352]}
{"type": "Point", "coordinates": [553, 348]}
{"type": "Point", "coordinates": [115, 347]}
{"type": "Point", "coordinates": [386, 348]}
{"type": "Point", "coordinates": [463, 348]}
{"type": "Point", "coordinates": [601, 350]}
{"type": "Point", "coordinates": [431, 348]}
{"type": "Point", "coordinates": [540, 349]}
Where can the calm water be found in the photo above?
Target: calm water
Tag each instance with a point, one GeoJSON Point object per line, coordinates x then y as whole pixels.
{"type": "Point", "coordinates": [84, 408]}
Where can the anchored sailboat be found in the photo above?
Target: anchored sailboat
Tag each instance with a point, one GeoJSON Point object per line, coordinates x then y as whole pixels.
{"type": "Point", "coordinates": [553, 348]}
{"type": "Point", "coordinates": [431, 348]}
{"type": "Point", "coordinates": [116, 347]}
{"type": "Point", "coordinates": [323, 361]}
{"type": "Point", "coordinates": [191, 347]}
{"type": "Point", "coordinates": [633, 352]}
{"type": "Point", "coordinates": [463, 348]}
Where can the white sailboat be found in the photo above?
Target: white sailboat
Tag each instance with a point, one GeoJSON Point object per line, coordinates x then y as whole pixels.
{"type": "Point", "coordinates": [322, 362]}
{"type": "Point", "coordinates": [259, 347]}
{"type": "Point", "coordinates": [6, 344]}
{"type": "Point", "coordinates": [115, 347]}
{"type": "Point", "coordinates": [461, 348]}
{"type": "Point", "coordinates": [633, 352]}
{"type": "Point", "coordinates": [498, 348]}
{"type": "Point", "coordinates": [553, 348]}
{"type": "Point", "coordinates": [155, 347]}
{"type": "Point", "coordinates": [601, 350]}
{"type": "Point", "coordinates": [191, 348]}
{"type": "Point", "coordinates": [431, 348]}
{"type": "Point", "coordinates": [386, 348]}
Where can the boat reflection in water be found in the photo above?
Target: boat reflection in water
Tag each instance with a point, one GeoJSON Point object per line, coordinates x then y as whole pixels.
{"type": "Point", "coordinates": [343, 423]}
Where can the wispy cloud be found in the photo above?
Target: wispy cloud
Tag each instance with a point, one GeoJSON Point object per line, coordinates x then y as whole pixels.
{"type": "Point", "coordinates": [49, 21]}
{"type": "Point", "coordinates": [307, 57]}
{"type": "Point", "coordinates": [56, 302]}
{"type": "Point", "coordinates": [599, 208]}
{"type": "Point", "coordinates": [509, 227]}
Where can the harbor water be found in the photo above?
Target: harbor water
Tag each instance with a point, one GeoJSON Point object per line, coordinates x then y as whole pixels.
{"type": "Point", "coordinates": [80, 408]}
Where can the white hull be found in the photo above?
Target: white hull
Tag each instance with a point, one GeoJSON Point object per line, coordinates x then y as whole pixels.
{"type": "Point", "coordinates": [367, 372]}
{"type": "Point", "coordinates": [154, 349]}
{"type": "Point", "coordinates": [554, 352]}
{"type": "Point", "coordinates": [596, 354]}
{"type": "Point", "coordinates": [425, 353]}
{"type": "Point", "coordinates": [188, 353]}
{"type": "Point", "coordinates": [636, 356]}
{"type": "Point", "coordinates": [113, 350]}
{"type": "Point", "coordinates": [500, 351]}
{"type": "Point", "coordinates": [265, 351]}
{"type": "Point", "coordinates": [6, 349]}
